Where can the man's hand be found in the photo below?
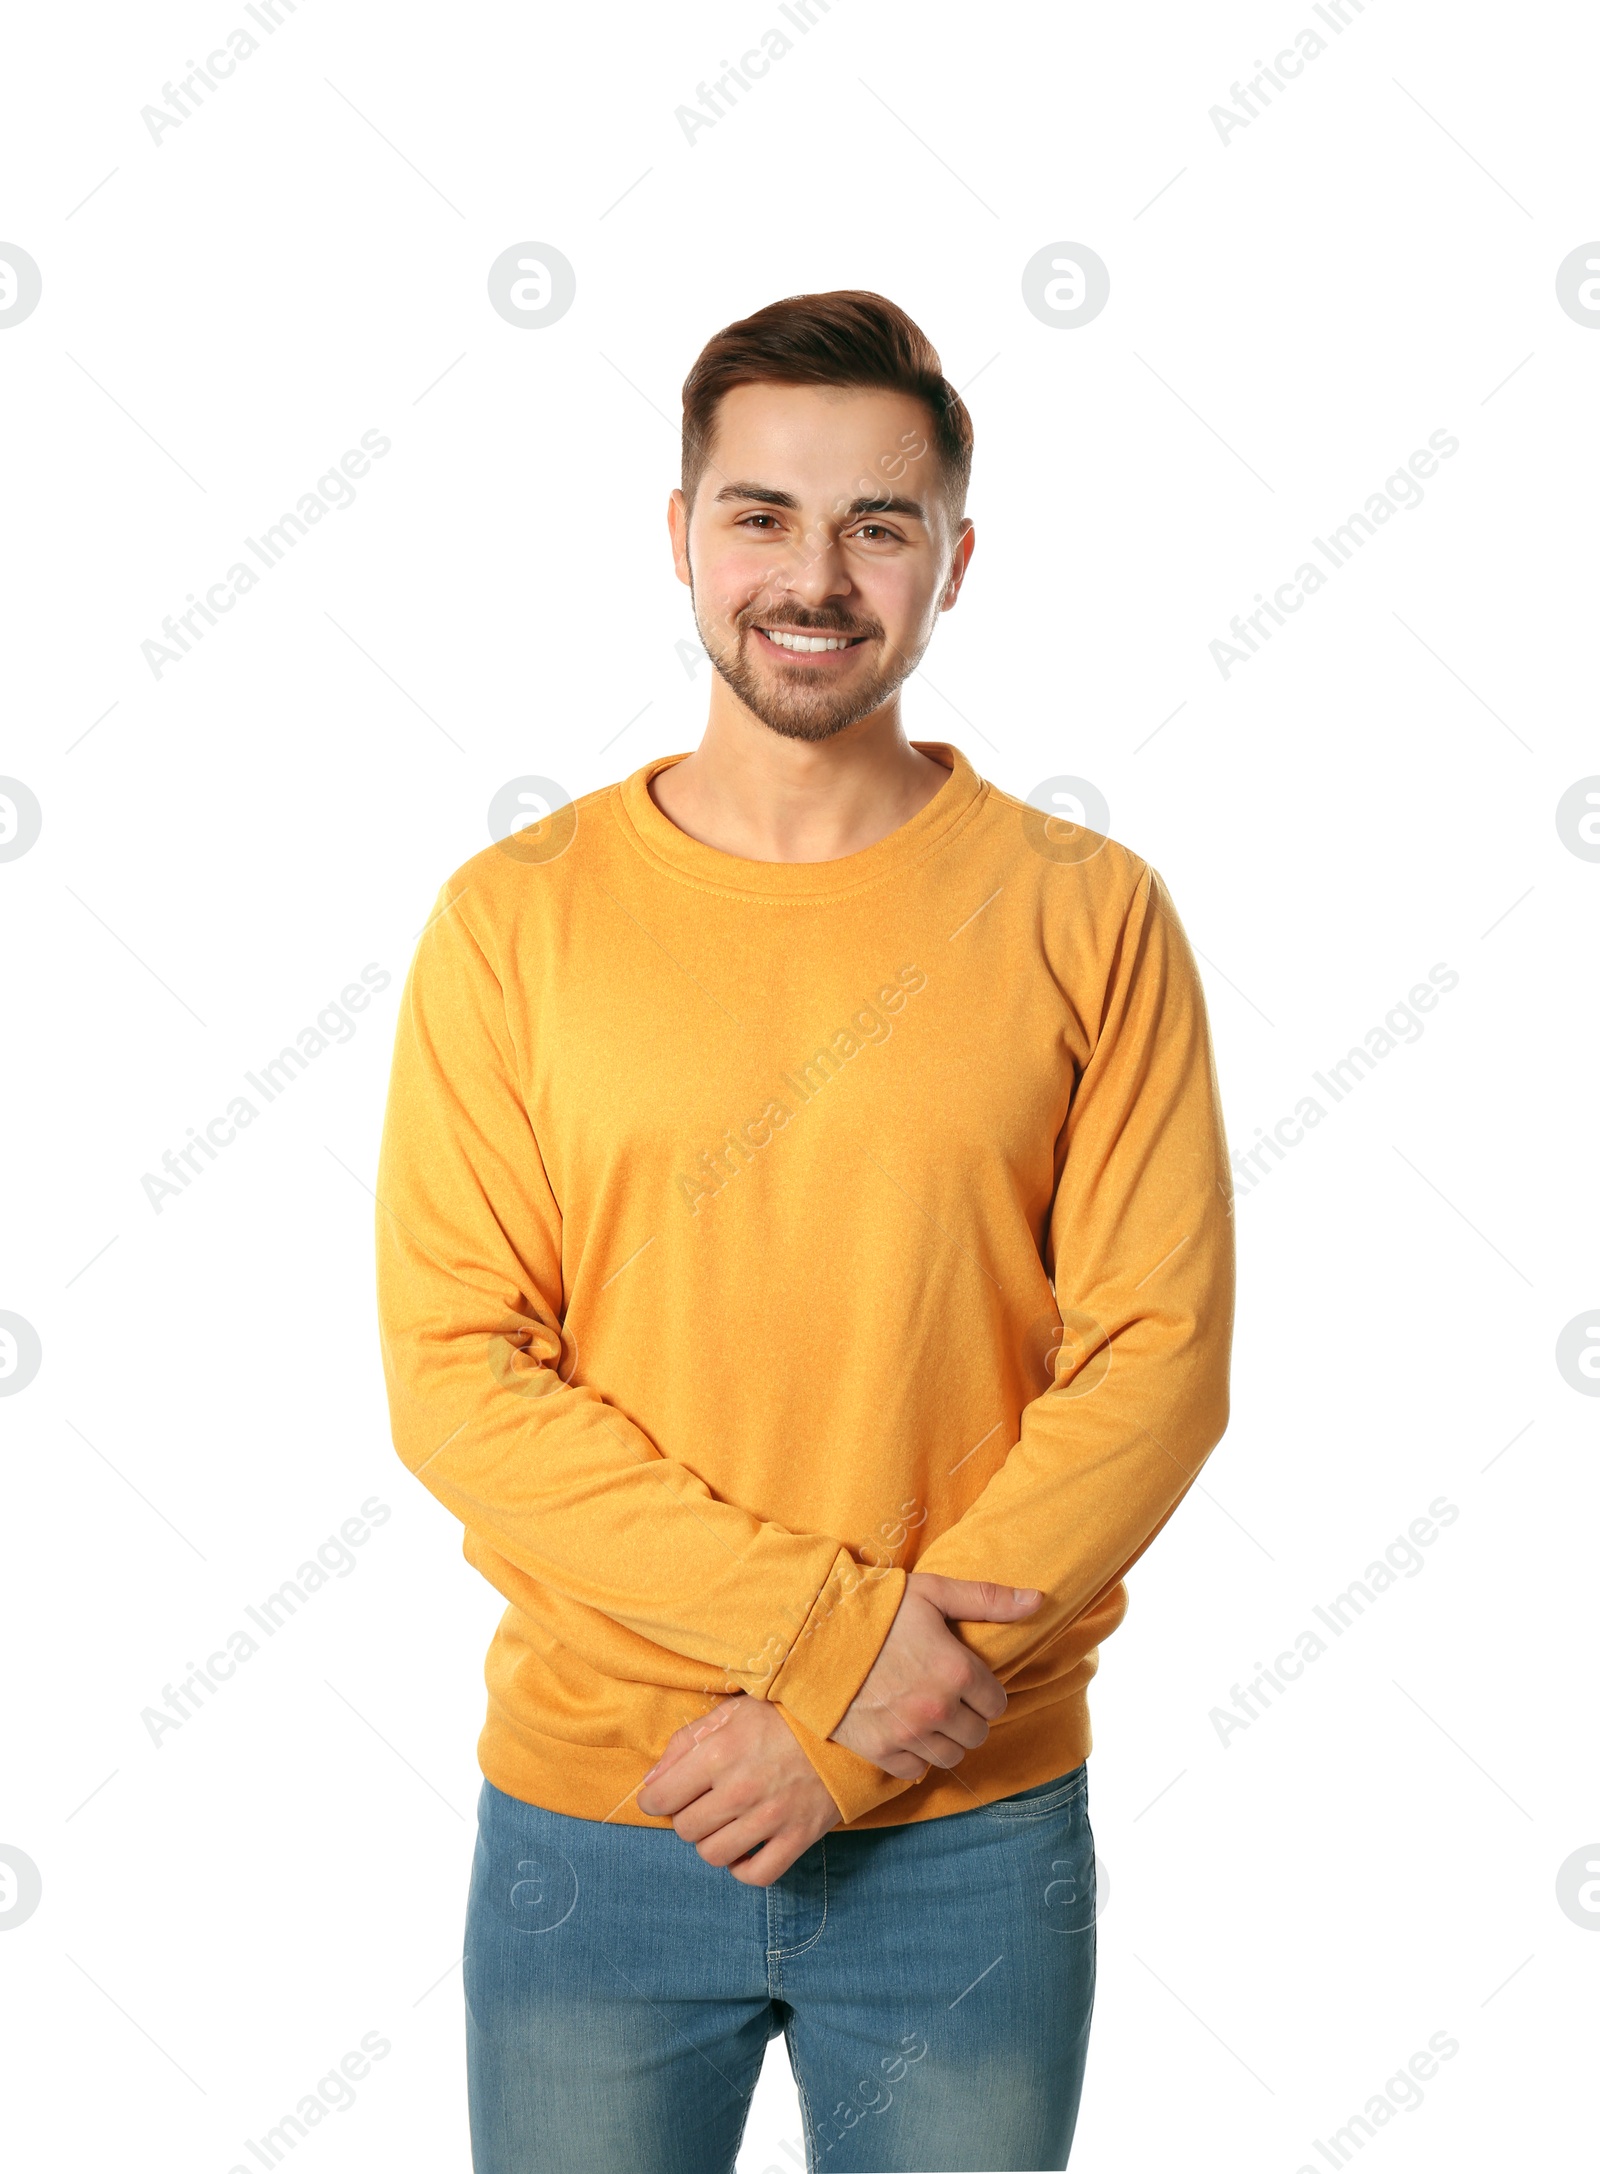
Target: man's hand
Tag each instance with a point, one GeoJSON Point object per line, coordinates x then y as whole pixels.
{"type": "Point", "coordinates": [928, 1700]}
{"type": "Point", "coordinates": [737, 1780]}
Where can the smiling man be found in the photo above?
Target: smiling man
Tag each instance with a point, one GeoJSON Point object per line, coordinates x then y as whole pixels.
{"type": "Point", "coordinates": [805, 1269]}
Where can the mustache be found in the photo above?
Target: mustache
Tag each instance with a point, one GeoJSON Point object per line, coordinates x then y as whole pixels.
{"type": "Point", "coordinates": [817, 622]}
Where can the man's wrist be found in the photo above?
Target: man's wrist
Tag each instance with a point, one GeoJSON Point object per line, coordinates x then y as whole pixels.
{"type": "Point", "coordinates": [854, 1783]}
{"type": "Point", "coordinates": [841, 1638]}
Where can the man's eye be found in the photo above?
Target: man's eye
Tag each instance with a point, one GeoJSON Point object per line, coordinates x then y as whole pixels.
{"type": "Point", "coordinates": [749, 517]}
{"type": "Point", "coordinates": [874, 528]}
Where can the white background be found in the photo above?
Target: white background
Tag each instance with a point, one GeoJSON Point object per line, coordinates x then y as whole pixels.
{"type": "Point", "coordinates": [1291, 314]}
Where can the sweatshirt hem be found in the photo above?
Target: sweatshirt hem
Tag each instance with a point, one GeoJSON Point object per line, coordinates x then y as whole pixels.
{"type": "Point", "coordinates": [599, 1781]}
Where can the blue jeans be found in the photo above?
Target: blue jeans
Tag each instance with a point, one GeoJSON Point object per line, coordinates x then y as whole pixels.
{"type": "Point", "coordinates": [934, 1984]}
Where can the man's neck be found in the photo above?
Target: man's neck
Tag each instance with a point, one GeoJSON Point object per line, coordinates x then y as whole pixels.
{"type": "Point", "coordinates": [753, 793]}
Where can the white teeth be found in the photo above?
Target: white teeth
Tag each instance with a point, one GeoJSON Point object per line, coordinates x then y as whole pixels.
{"type": "Point", "coordinates": [786, 640]}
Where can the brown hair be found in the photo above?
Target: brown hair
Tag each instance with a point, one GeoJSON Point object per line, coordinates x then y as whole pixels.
{"type": "Point", "coordinates": [849, 337]}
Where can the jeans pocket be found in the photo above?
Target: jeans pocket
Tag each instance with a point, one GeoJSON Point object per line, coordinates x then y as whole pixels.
{"type": "Point", "coordinates": [1044, 1798]}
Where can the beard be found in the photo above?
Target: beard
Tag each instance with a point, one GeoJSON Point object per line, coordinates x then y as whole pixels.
{"type": "Point", "coordinates": [794, 703]}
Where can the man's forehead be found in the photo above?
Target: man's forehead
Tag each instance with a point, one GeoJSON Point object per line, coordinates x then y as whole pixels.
{"type": "Point", "coordinates": [768, 397]}
{"type": "Point", "coordinates": [811, 428]}
{"type": "Point", "coordinates": [825, 452]}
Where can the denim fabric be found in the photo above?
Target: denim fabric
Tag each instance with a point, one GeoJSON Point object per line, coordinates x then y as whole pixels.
{"type": "Point", "coordinates": [934, 1983]}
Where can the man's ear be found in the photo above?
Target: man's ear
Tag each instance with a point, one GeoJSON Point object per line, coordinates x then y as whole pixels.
{"type": "Point", "coordinates": [678, 528]}
{"type": "Point", "coordinates": [960, 557]}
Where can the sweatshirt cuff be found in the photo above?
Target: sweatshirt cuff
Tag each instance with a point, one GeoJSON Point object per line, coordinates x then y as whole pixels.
{"type": "Point", "coordinates": [854, 1783]}
{"type": "Point", "coordinates": [838, 1643]}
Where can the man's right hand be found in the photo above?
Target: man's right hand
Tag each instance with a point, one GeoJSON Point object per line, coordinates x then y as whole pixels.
{"type": "Point", "coordinates": [928, 1700]}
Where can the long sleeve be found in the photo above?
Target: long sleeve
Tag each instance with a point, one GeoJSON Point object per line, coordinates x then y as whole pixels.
{"type": "Point", "coordinates": [722, 1206]}
{"type": "Point", "coordinates": [554, 1483]}
{"type": "Point", "coordinates": [1142, 1260]}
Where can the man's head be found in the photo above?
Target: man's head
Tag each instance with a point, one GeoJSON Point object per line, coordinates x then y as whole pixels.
{"type": "Point", "coordinates": [825, 467]}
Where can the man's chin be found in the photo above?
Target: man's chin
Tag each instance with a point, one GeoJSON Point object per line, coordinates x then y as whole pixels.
{"type": "Point", "coordinates": [806, 721]}
{"type": "Point", "coordinates": [805, 713]}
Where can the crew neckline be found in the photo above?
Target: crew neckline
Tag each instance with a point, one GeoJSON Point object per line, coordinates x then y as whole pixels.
{"type": "Point", "coordinates": [661, 841]}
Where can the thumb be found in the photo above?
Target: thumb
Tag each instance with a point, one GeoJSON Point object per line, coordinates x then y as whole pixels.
{"type": "Point", "coordinates": [976, 1600]}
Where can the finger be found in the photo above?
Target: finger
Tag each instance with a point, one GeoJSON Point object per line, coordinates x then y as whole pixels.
{"type": "Point", "coordinates": [925, 1744]}
{"type": "Point", "coordinates": [964, 1731]}
{"type": "Point", "coordinates": [708, 1724]}
{"type": "Point", "coordinates": [984, 1693]}
{"type": "Point", "coordinates": [769, 1863]}
{"type": "Point", "coordinates": [684, 1740]}
{"type": "Point", "coordinates": [976, 1600]}
{"type": "Point", "coordinates": [739, 1837]}
{"type": "Point", "coordinates": [904, 1765]}
{"type": "Point", "coordinates": [680, 1741]}
{"type": "Point", "coordinates": [967, 1726]}
{"type": "Point", "coordinates": [707, 1815]}
{"type": "Point", "coordinates": [939, 1749]}
{"type": "Point", "coordinates": [677, 1744]}
{"type": "Point", "coordinates": [668, 1792]}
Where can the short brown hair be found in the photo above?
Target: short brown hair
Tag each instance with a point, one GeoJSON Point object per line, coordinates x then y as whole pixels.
{"type": "Point", "coordinates": [849, 337]}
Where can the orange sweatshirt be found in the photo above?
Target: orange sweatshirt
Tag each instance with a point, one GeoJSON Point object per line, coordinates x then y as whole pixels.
{"type": "Point", "coordinates": [750, 1233]}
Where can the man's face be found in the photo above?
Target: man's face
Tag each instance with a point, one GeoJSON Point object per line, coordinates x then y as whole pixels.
{"type": "Point", "coordinates": [819, 520]}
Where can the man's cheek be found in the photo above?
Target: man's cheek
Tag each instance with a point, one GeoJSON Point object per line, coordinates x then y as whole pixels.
{"type": "Point", "coordinates": [734, 577]}
{"type": "Point", "coordinates": [897, 590]}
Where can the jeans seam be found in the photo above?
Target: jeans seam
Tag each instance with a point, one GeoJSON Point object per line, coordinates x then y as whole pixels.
{"type": "Point", "coordinates": [777, 1955]}
{"type": "Point", "coordinates": [806, 2122]}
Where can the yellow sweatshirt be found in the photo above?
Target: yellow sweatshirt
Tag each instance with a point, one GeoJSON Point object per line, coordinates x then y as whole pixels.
{"type": "Point", "coordinates": [720, 1206]}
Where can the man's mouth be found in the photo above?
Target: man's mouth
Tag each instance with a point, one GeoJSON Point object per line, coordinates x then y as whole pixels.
{"type": "Point", "coordinates": [798, 642]}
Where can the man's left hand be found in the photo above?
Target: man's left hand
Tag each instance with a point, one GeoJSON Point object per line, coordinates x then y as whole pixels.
{"type": "Point", "coordinates": [736, 1781]}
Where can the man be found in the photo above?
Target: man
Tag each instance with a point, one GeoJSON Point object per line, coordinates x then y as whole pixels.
{"type": "Point", "coordinates": [803, 1162]}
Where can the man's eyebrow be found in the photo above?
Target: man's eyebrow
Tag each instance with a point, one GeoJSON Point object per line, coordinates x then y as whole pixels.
{"type": "Point", "coordinates": [910, 508]}
{"type": "Point", "coordinates": [763, 494]}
